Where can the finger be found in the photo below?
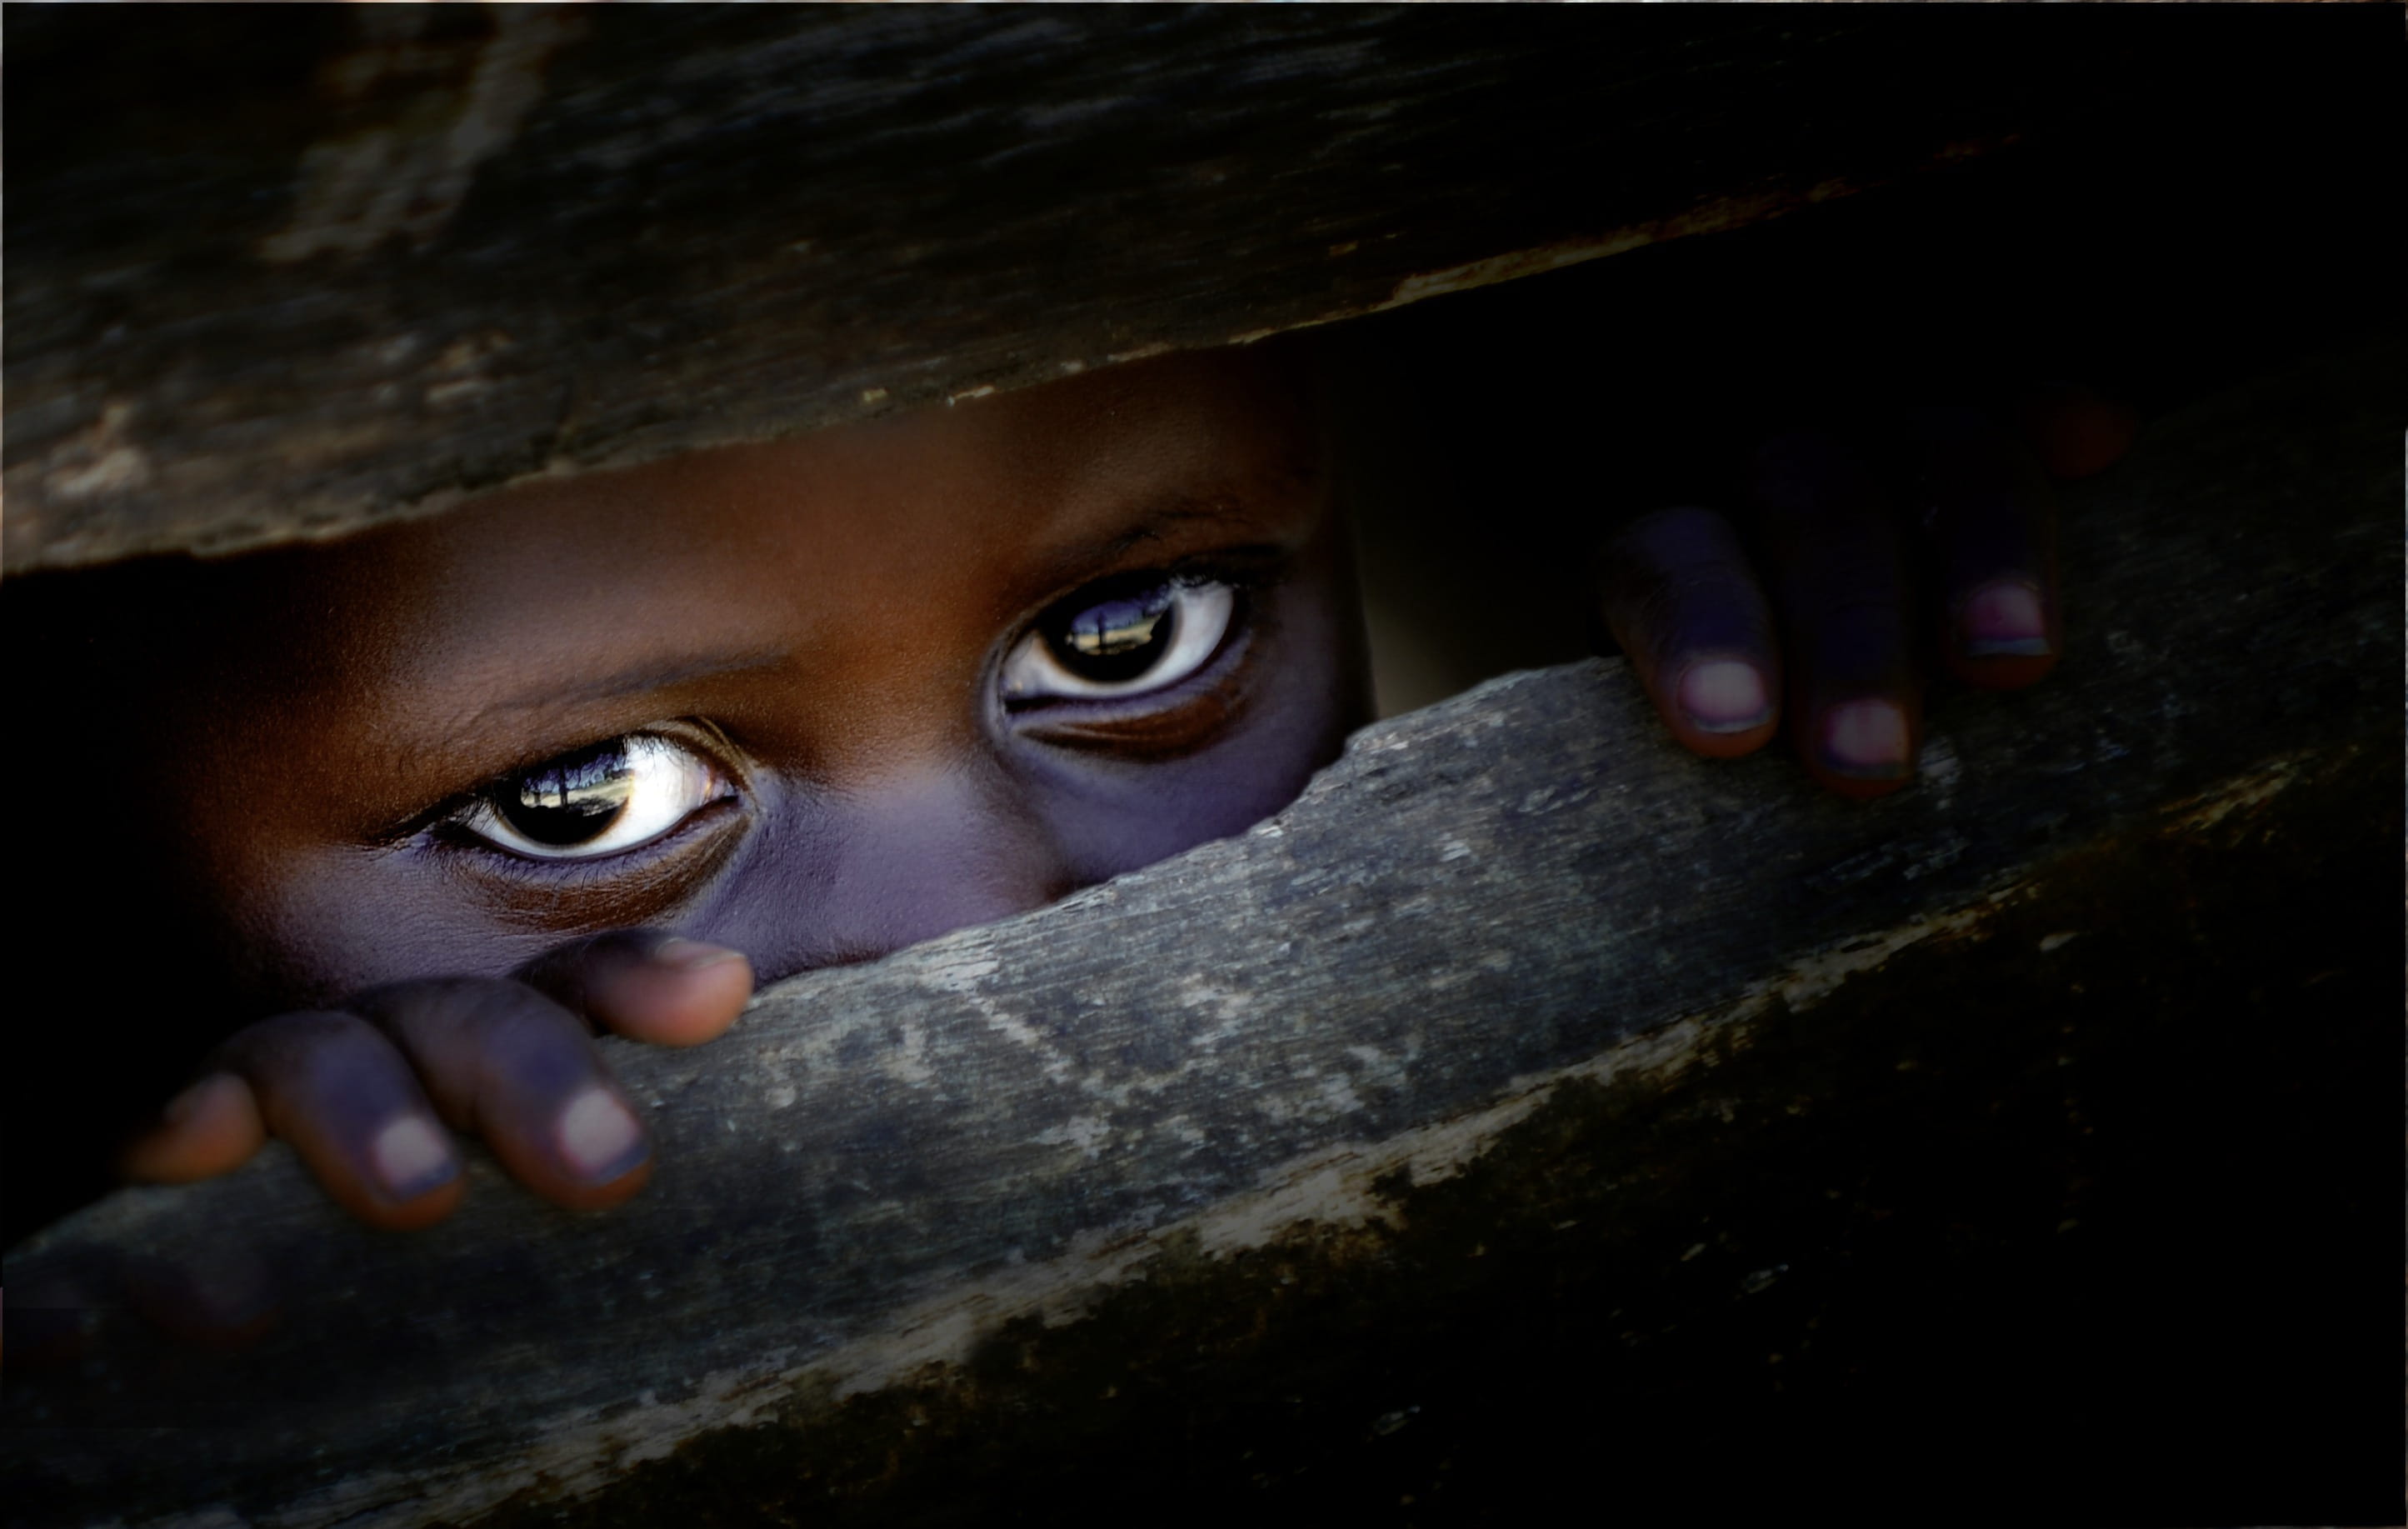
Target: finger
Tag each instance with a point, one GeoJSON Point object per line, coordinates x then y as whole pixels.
{"type": "Point", "coordinates": [1680, 598]}
{"type": "Point", "coordinates": [1989, 522]}
{"type": "Point", "coordinates": [2073, 431]}
{"type": "Point", "coordinates": [211, 1127]}
{"type": "Point", "coordinates": [1839, 578]}
{"type": "Point", "coordinates": [343, 1097]}
{"type": "Point", "coordinates": [646, 985]}
{"type": "Point", "coordinates": [502, 1060]}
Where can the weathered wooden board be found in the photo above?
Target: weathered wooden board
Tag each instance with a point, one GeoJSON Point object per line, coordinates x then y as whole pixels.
{"type": "Point", "coordinates": [1250, 1066]}
{"type": "Point", "coordinates": [278, 271]}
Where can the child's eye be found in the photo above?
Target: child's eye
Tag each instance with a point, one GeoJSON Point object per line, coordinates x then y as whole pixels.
{"type": "Point", "coordinates": [1145, 638]}
{"type": "Point", "coordinates": [597, 801]}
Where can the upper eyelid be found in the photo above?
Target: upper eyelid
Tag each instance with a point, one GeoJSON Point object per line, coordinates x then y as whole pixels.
{"type": "Point", "coordinates": [1221, 516]}
{"type": "Point", "coordinates": [1237, 653]}
{"type": "Point", "coordinates": [655, 861]}
{"type": "Point", "coordinates": [723, 754]}
{"type": "Point", "coordinates": [1249, 568]}
{"type": "Point", "coordinates": [633, 683]}
{"type": "Point", "coordinates": [1133, 726]}
{"type": "Point", "coordinates": [478, 745]}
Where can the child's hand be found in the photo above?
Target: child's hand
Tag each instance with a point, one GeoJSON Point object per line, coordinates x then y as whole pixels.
{"type": "Point", "coordinates": [364, 1093]}
{"type": "Point", "coordinates": [1854, 579]}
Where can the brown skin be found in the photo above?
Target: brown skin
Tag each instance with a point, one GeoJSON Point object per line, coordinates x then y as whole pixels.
{"type": "Point", "coordinates": [828, 624]}
{"type": "Point", "coordinates": [825, 622]}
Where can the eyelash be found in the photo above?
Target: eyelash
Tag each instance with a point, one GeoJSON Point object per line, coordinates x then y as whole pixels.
{"type": "Point", "coordinates": [453, 826]}
{"type": "Point", "coordinates": [1239, 577]}
{"type": "Point", "coordinates": [1244, 574]}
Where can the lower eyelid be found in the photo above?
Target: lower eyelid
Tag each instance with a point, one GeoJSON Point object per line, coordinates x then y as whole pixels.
{"type": "Point", "coordinates": [628, 886]}
{"type": "Point", "coordinates": [452, 828]}
{"type": "Point", "coordinates": [1244, 592]}
{"type": "Point", "coordinates": [1168, 723]}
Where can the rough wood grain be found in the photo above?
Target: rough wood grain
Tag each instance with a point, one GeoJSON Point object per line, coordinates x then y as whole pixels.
{"type": "Point", "coordinates": [1280, 1043]}
{"type": "Point", "coordinates": [280, 272]}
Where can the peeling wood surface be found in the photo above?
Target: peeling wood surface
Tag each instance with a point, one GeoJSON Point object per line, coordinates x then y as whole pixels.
{"type": "Point", "coordinates": [276, 273]}
{"type": "Point", "coordinates": [1485, 914]}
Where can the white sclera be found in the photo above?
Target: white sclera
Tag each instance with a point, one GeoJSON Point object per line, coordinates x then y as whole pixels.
{"type": "Point", "coordinates": [666, 785]}
{"type": "Point", "coordinates": [1199, 615]}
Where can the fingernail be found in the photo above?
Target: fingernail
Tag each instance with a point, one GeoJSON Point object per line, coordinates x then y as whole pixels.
{"type": "Point", "coordinates": [411, 1157]}
{"type": "Point", "coordinates": [1867, 738]}
{"type": "Point", "coordinates": [1724, 695]}
{"type": "Point", "coordinates": [2003, 618]}
{"type": "Point", "coordinates": [598, 1137]}
{"type": "Point", "coordinates": [692, 955]}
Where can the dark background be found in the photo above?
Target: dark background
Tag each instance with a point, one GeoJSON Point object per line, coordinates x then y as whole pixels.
{"type": "Point", "coordinates": [2218, 1339]}
{"type": "Point", "coordinates": [2239, 212]}
{"type": "Point", "coordinates": [2215, 1336]}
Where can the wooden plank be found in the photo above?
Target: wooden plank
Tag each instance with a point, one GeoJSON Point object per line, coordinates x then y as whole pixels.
{"type": "Point", "coordinates": [1517, 918]}
{"type": "Point", "coordinates": [277, 273]}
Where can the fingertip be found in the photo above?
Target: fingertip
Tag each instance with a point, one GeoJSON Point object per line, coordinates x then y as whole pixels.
{"type": "Point", "coordinates": [1721, 707]}
{"type": "Point", "coordinates": [411, 1157]}
{"type": "Point", "coordinates": [410, 1174]}
{"type": "Point", "coordinates": [1725, 695]}
{"type": "Point", "coordinates": [502, 1059]}
{"type": "Point", "coordinates": [1862, 749]}
{"type": "Point", "coordinates": [421, 1210]}
{"type": "Point", "coordinates": [681, 955]}
{"type": "Point", "coordinates": [605, 1147]}
{"type": "Point", "coordinates": [1681, 599]}
{"type": "Point", "coordinates": [603, 1196]}
{"type": "Point", "coordinates": [401, 1214]}
{"type": "Point", "coordinates": [2002, 636]}
{"type": "Point", "coordinates": [686, 992]}
{"type": "Point", "coordinates": [212, 1127]}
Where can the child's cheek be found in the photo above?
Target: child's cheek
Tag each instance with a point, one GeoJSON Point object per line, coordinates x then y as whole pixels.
{"type": "Point", "coordinates": [809, 874]}
{"type": "Point", "coordinates": [331, 920]}
{"type": "Point", "coordinates": [830, 877]}
{"type": "Point", "coordinates": [827, 878]}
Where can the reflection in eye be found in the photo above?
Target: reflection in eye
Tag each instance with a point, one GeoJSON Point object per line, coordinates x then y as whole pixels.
{"type": "Point", "coordinates": [597, 801]}
{"type": "Point", "coordinates": [1124, 645]}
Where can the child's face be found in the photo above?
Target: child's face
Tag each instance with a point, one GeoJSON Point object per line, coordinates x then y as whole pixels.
{"type": "Point", "coordinates": [813, 700]}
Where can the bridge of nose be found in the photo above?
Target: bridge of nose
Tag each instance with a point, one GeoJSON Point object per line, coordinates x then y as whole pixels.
{"type": "Point", "coordinates": [888, 859]}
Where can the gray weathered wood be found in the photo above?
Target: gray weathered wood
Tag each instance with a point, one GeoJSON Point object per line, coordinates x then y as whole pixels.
{"type": "Point", "coordinates": [1480, 905]}
{"type": "Point", "coordinates": [278, 272]}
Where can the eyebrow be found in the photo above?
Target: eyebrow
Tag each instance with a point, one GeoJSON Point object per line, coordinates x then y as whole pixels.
{"type": "Point", "coordinates": [1154, 523]}
{"type": "Point", "coordinates": [634, 680]}
{"type": "Point", "coordinates": [1178, 509]}
{"type": "Point", "coordinates": [651, 676]}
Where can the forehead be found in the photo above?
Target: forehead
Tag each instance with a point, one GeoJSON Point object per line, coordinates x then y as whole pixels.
{"type": "Point", "coordinates": [849, 584]}
{"type": "Point", "coordinates": [984, 493]}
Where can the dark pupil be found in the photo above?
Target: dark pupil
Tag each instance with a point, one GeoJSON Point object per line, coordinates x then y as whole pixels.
{"type": "Point", "coordinates": [573, 798]}
{"type": "Point", "coordinates": [1118, 639]}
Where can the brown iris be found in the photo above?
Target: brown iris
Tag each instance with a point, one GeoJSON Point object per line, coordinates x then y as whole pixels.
{"type": "Point", "coordinates": [1119, 640]}
{"type": "Point", "coordinates": [572, 798]}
